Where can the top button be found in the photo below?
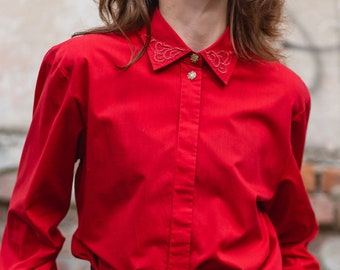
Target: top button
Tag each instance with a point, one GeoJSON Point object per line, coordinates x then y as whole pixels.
{"type": "Point", "coordinates": [194, 58]}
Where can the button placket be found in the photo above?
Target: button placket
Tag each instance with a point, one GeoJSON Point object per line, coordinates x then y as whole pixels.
{"type": "Point", "coordinates": [184, 185]}
{"type": "Point", "coordinates": [194, 59]}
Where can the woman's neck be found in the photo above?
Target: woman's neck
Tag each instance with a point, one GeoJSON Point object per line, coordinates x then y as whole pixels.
{"type": "Point", "coordinates": [199, 23]}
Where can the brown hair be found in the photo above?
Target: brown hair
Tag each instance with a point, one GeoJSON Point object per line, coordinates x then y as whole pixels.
{"type": "Point", "coordinates": [254, 24]}
{"type": "Point", "coordinates": [255, 27]}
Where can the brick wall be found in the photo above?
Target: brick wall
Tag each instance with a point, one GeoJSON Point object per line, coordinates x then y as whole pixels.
{"type": "Point", "coordinates": [323, 185]}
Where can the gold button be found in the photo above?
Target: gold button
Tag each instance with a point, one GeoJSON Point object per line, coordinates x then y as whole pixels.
{"type": "Point", "coordinates": [192, 75]}
{"type": "Point", "coordinates": [194, 58]}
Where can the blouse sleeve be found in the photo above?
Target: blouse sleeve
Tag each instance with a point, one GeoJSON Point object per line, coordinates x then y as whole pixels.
{"type": "Point", "coordinates": [41, 196]}
{"type": "Point", "coordinates": [290, 209]}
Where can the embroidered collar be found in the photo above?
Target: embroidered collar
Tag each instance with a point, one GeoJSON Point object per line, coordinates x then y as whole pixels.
{"type": "Point", "coordinates": [167, 47]}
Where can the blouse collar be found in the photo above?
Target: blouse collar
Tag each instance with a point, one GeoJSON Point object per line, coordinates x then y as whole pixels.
{"type": "Point", "coordinates": [166, 47]}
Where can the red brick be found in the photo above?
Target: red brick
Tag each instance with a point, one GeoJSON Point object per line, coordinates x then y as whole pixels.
{"type": "Point", "coordinates": [330, 178]}
{"type": "Point", "coordinates": [308, 176]}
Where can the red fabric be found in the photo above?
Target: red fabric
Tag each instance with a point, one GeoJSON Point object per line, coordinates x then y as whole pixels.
{"type": "Point", "coordinates": [175, 173]}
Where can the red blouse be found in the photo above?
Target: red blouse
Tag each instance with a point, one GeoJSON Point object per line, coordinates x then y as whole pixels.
{"type": "Point", "coordinates": [187, 161]}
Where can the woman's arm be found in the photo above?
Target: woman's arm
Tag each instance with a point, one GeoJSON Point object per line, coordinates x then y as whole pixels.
{"type": "Point", "coordinates": [290, 209]}
{"type": "Point", "coordinates": [42, 193]}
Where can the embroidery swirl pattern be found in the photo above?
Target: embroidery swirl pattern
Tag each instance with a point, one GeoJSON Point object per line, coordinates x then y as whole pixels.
{"type": "Point", "coordinates": [221, 60]}
{"type": "Point", "coordinates": [163, 51]}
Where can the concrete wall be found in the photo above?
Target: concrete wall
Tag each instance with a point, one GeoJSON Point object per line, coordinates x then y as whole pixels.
{"type": "Point", "coordinates": [27, 30]}
{"type": "Point", "coordinates": [313, 48]}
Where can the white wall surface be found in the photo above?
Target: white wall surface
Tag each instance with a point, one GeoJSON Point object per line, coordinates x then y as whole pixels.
{"type": "Point", "coordinates": [315, 30]}
{"type": "Point", "coordinates": [27, 30]}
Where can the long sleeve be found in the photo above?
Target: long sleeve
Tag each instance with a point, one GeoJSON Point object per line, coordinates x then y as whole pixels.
{"type": "Point", "coordinates": [290, 209]}
{"type": "Point", "coordinates": [41, 197]}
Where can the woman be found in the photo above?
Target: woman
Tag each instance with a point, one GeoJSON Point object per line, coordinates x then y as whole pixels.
{"type": "Point", "coordinates": [189, 134]}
